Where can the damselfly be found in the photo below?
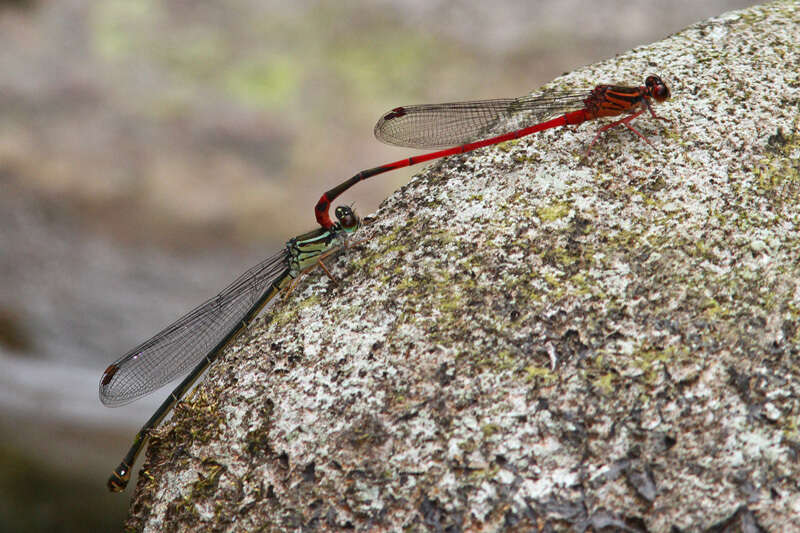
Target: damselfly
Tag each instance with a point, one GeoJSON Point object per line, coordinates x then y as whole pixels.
{"type": "Point", "coordinates": [197, 339]}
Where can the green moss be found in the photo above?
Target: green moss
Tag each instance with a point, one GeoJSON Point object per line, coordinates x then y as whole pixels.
{"type": "Point", "coordinates": [551, 280]}
{"type": "Point", "coordinates": [311, 301]}
{"type": "Point", "coordinates": [790, 427]}
{"type": "Point", "coordinates": [506, 146]}
{"type": "Point", "coordinates": [649, 361]}
{"type": "Point", "coordinates": [490, 429]}
{"type": "Point", "coordinates": [407, 284]}
{"type": "Point", "coordinates": [497, 362]}
{"type": "Point", "coordinates": [606, 382]}
{"type": "Point", "coordinates": [540, 373]}
{"type": "Point", "coordinates": [778, 174]}
{"type": "Point", "coordinates": [468, 445]}
{"type": "Point", "coordinates": [554, 211]}
{"type": "Point", "coordinates": [208, 479]}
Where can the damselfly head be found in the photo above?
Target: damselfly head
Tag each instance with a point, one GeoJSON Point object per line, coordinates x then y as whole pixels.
{"type": "Point", "coordinates": [657, 88]}
{"type": "Point", "coordinates": [347, 218]}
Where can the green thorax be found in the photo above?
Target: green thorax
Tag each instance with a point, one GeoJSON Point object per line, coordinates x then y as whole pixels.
{"type": "Point", "coordinates": [304, 251]}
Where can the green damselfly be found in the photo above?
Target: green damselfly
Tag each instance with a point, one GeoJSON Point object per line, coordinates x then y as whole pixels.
{"type": "Point", "coordinates": [197, 339]}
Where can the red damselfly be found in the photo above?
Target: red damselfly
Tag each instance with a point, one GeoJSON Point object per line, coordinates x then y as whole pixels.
{"type": "Point", "coordinates": [461, 123]}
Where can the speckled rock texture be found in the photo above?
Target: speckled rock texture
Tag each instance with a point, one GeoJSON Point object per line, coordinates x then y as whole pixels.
{"type": "Point", "coordinates": [534, 340]}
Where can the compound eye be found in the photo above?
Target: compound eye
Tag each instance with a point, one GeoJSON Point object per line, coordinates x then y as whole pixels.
{"type": "Point", "coordinates": [658, 89]}
{"type": "Point", "coordinates": [346, 217]}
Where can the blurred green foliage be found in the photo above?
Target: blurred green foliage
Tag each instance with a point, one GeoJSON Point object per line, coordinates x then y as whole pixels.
{"type": "Point", "coordinates": [35, 498]}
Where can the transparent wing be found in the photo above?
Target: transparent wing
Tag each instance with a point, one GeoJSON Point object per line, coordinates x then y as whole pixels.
{"type": "Point", "coordinates": [181, 345]}
{"type": "Point", "coordinates": [451, 124]}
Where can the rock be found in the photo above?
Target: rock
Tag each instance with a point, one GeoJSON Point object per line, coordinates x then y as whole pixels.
{"type": "Point", "coordinates": [530, 340]}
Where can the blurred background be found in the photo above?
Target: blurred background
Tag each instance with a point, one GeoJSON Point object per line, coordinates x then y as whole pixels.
{"type": "Point", "coordinates": [150, 152]}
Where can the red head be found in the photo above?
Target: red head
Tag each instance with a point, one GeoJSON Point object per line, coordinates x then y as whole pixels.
{"type": "Point", "coordinates": [656, 88]}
